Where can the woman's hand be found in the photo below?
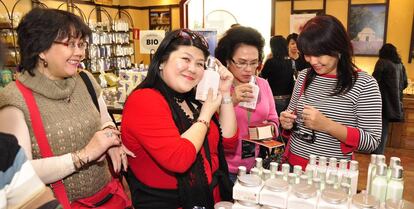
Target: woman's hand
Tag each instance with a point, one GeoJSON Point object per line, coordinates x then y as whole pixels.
{"type": "Point", "coordinates": [242, 93]}
{"type": "Point", "coordinates": [287, 118]}
{"type": "Point", "coordinates": [210, 106]}
{"type": "Point", "coordinates": [118, 157]}
{"type": "Point", "coordinates": [99, 144]}
{"type": "Point", "coordinates": [226, 78]}
{"type": "Point", "coordinates": [315, 120]}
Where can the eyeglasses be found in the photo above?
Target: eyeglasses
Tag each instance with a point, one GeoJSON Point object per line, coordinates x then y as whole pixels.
{"type": "Point", "coordinates": [193, 36]}
{"type": "Point", "coordinates": [72, 44]}
{"type": "Point", "coordinates": [310, 138]}
{"type": "Point", "coordinates": [243, 65]}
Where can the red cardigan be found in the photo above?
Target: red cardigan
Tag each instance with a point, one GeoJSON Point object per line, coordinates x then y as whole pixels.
{"type": "Point", "coordinates": [149, 131]}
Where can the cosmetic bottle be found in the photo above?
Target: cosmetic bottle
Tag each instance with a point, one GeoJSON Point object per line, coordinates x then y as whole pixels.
{"type": "Point", "coordinates": [210, 80]}
{"type": "Point", "coordinates": [255, 88]}
{"type": "Point", "coordinates": [247, 188]}
{"type": "Point", "coordinates": [393, 162]}
{"type": "Point", "coordinates": [273, 168]}
{"type": "Point", "coordinates": [395, 185]}
{"type": "Point", "coordinates": [353, 175]}
{"type": "Point", "coordinates": [332, 166]}
{"type": "Point", "coordinates": [311, 166]}
{"type": "Point", "coordinates": [371, 167]}
{"type": "Point", "coordinates": [343, 169]}
{"type": "Point", "coordinates": [322, 164]}
{"type": "Point", "coordinates": [380, 159]}
{"type": "Point", "coordinates": [274, 193]}
{"type": "Point", "coordinates": [297, 169]}
{"type": "Point", "coordinates": [259, 165]}
{"type": "Point", "coordinates": [379, 183]}
{"type": "Point", "coordinates": [285, 171]}
{"type": "Point", "coordinates": [265, 174]}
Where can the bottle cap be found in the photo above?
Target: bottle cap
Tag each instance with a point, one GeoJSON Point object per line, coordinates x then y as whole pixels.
{"type": "Point", "coordinates": [255, 171]}
{"type": "Point", "coordinates": [312, 159]}
{"type": "Point", "coordinates": [332, 162]}
{"type": "Point", "coordinates": [249, 180]}
{"type": "Point", "coordinates": [381, 169]}
{"type": "Point", "coordinates": [259, 162]}
{"type": "Point", "coordinates": [277, 185]}
{"type": "Point", "coordinates": [363, 200]}
{"type": "Point", "coordinates": [304, 191]}
{"type": "Point", "coordinates": [397, 172]}
{"type": "Point", "coordinates": [241, 171]}
{"type": "Point", "coordinates": [353, 165]}
{"type": "Point", "coordinates": [322, 161]}
{"type": "Point", "coordinates": [394, 161]}
{"type": "Point", "coordinates": [273, 167]}
{"type": "Point", "coordinates": [380, 159]}
{"type": "Point", "coordinates": [373, 158]}
{"type": "Point", "coordinates": [343, 164]}
{"type": "Point", "coordinates": [297, 169]}
{"type": "Point", "coordinates": [334, 196]}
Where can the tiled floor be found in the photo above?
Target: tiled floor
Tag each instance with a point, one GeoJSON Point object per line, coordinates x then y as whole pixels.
{"type": "Point", "coordinates": [407, 161]}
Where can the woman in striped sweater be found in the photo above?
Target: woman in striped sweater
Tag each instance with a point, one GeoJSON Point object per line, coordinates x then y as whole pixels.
{"type": "Point", "coordinates": [335, 108]}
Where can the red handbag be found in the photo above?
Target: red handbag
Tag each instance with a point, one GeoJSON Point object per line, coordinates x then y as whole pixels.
{"type": "Point", "coordinates": [112, 196]}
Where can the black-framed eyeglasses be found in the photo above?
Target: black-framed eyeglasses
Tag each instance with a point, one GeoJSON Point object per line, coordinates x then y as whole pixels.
{"type": "Point", "coordinates": [193, 36]}
{"type": "Point", "coordinates": [310, 138]}
{"type": "Point", "coordinates": [73, 45]}
{"type": "Point", "coordinates": [243, 65]}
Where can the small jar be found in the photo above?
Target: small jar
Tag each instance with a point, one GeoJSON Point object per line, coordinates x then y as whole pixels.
{"type": "Point", "coordinates": [245, 205]}
{"type": "Point", "coordinates": [247, 188]}
{"type": "Point", "coordinates": [223, 205]}
{"type": "Point", "coordinates": [333, 199]}
{"type": "Point", "coordinates": [364, 201]}
{"type": "Point", "coordinates": [275, 193]}
{"type": "Point", "coordinates": [303, 196]}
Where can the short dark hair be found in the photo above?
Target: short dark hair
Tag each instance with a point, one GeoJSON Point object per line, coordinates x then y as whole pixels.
{"type": "Point", "coordinates": [278, 46]}
{"type": "Point", "coordinates": [389, 52]}
{"type": "Point", "coordinates": [325, 35]}
{"type": "Point", "coordinates": [236, 36]}
{"type": "Point", "coordinates": [169, 44]}
{"type": "Point", "coordinates": [292, 36]}
{"type": "Point", "coordinates": [40, 27]}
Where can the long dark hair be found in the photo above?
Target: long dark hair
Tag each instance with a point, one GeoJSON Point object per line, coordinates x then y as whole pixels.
{"type": "Point", "coordinates": [389, 52]}
{"type": "Point", "coordinates": [278, 46]}
{"type": "Point", "coordinates": [39, 28]}
{"type": "Point", "coordinates": [325, 35]}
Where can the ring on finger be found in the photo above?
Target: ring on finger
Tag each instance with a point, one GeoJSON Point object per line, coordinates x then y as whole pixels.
{"type": "Point", "coordinates": [108, 134]}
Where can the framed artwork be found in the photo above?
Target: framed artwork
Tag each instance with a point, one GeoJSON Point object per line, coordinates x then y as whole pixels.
{"type": "Point", "coordinates": [367, 26]}
{"type": "Point", "coordinates": [160, 20]}
{"type": "Point", "coordinates": [297, 21]}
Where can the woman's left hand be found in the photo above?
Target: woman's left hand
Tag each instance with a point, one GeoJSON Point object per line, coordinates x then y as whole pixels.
{"type": "Point", "coordinates": [226, 78]}
{"type": "Point", "coordinates": [314, 119]}
{"type": "Point", "coordinates": [118, 157]}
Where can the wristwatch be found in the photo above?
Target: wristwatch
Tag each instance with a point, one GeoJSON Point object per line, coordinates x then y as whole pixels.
{"type": "Point", "coordinates": [226, 100]}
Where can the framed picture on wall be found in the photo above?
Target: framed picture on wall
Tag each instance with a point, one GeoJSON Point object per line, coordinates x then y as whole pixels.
{"type": "Point", "coordinates": [160, 20]}
{"type": "Point", "coordinates": [367, 27]}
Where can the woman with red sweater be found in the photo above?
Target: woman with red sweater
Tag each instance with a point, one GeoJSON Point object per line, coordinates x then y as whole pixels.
{"type": "Point", "coordinates": [178, 141]}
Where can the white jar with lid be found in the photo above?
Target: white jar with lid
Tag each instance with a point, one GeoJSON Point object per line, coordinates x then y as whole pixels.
{"type": "Point", "coordinates": [275, 193]}
{"type": "Point", "coordinates": [247, 188]}
{"type": "Point", "coordinates": [303, 196]}
{"type": "Point", "coordinates": [245, 205]}
{"type": "Point", "coordinates": [223, 205]}
{"type": "Point", "coordinates": [364, 201]}
{"type": "Point", "coordinates": [333, 199]}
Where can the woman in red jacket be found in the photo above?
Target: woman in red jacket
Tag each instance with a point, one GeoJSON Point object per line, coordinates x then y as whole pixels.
{"type": "Point", "coordinates": [178, 141]}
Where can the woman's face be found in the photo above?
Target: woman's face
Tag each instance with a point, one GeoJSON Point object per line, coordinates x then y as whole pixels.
{"type": "Point", "coordinates": [292, 46]}
{"type": "Point", "coordinates": [63, 57]}
{"type": "Point", "coordinates": [244, 63]}
{"type": "Point", "coordinates": [324, 64]}
{"type": "Point", "coordinates": [184, 68]}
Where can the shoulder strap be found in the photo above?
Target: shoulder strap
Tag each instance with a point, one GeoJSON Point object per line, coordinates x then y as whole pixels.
{"type": "Point", "coordinates": [44, 146]}
{"type": "Point", "coordinates": [90, 88]}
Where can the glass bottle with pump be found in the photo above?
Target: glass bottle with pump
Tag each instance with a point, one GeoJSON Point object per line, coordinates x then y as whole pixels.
{"type": "Point", "coordinates": [395, 186]}
{"type": "Point", "coordinates": [394, 161]}
{"type": "Point", "coordinates": [311, 166]}
{"type": "Point", "coordinates": [210, 80]}
{"type": "Point", "coordinates": [371, 167]}
{"type": "Point", "coordinates": [379, 183]}
{"type": "Point", "coordinates": [380, 159]}
{"type": "Point", "coordinates": [332, 166]}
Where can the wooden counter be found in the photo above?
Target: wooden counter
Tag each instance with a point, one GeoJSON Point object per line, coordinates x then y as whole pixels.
{"type": "Point", "coordinates": [401, 135]}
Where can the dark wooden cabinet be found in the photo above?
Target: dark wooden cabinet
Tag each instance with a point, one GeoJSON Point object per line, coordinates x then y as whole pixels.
{"type": "Point", "coordinates": [401, 135]}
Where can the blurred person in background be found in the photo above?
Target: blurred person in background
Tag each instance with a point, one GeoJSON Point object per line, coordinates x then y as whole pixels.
{"type": "Point", "coordinates": [298, 61]}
